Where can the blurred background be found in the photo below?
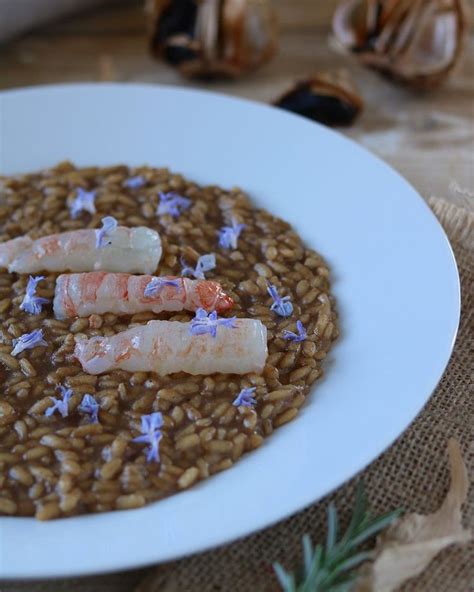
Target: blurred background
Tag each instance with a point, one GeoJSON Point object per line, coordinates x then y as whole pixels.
{"type": "Point", "coordinates": [426, 133]}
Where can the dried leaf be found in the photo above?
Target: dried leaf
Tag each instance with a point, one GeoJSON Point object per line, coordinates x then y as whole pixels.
{"type": "Point", "coordinates": [408, 546]}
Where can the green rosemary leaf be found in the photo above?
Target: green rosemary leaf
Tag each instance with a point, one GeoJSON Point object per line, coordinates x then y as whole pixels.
{"type": "Point", "coordinates": [315, 572]}
{"type": "Point", "coordinates": [308, 553]}
{"type": "Point", "coordinates": [286, 579]}
{"type": "Point", "coordinates": [332, 568]}
{"type": "Point", "coordinates": [332, 528]}
{"type": "Point", "coordinates": [373, 528]}
{"type": "Point", "coordinates": [360, 511]}
{"type": "Point", "coordinates": [339, 572]}
{"type": "Point", "coordinates": [354, 561]}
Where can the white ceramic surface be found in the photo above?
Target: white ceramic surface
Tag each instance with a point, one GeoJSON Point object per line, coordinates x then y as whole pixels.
{"type": "Point", "coordinates": [394, 276]}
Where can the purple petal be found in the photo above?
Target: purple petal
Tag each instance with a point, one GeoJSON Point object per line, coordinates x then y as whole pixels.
{"type": "Point", "coordinates": [230, 323]}
{"type": "Point", "coordinates": [281, 306]}
{"type": "Point", "coordinates": [152, 421]}
{"type": "Point", "coordinates": [60, 405]}
{"type": "Point", "coordinates": [135, 182]}
{"type": "Point", "coordinates": [205, 263]}
{"type": "Point", "coordinates": [155, 285]}
{"type": "Point", "coordinates": [173, 204]}
{"type": "Point", "coordinates": [141, 439]}
{"type": "Point", "coordinates": [245, 398]}
{"type": "Point", "coordinates": [229, 235]}
{"type": "Point", "coordinates": [83, 202]}
{"type": "Point", "coordinates": [109, 225]}
{"type": "Point", "coordinates": [31, 303]}
{"type": "Point", "coordinates": [271, 289]}
{"type": "Point", "coordinates": [301, 336]}
{"type": "Point", "coordinates": [301, 330]}
{"type": "Point", "coordinates": [153, 453]}
{"type": "Point", "coordinates": [151, 434]}
{"type": "Point", "coordinates": [204, 323]}
{"type": "Point", "coordinates": [89, 405]}
{"type": "Point", "coordinates": [187, 271]}
{"type": "Point", "coordinates": [28, 341]}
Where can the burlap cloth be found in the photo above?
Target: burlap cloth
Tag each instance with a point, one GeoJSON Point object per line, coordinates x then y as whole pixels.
{"type": "Point", "coordinates": [413, 473]}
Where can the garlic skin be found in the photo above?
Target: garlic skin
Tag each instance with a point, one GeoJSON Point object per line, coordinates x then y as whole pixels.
{"type": "Point", "coordinates": [213, 38]}
{"type": "Point", "coordinates": [416, 42]}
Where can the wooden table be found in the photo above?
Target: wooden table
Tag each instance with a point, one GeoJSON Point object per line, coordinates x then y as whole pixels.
{"type": "Point", "coordinates": [429, 138]}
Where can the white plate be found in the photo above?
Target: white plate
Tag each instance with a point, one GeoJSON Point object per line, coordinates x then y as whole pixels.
{"type": "Point", "coordinates": [394, 276]}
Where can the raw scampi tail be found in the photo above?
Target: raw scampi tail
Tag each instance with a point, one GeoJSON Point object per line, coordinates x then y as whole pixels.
{"type": "Point", "coordinates": [83, 294]}
{"type": "Point", "coordinates": [167, 347]}
{"type": "Point", "coordinates": [133, 250]}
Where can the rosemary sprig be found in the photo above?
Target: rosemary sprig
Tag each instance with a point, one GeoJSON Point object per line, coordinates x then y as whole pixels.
{"type": "Point", "coordinates": [330, 568]}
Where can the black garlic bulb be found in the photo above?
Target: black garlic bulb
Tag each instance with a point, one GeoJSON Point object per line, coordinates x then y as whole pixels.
{"type": "Point", "coordinates": [213, 38]}
{"type": "Point", "coordinates": [330, 99]}
{"type": "Point", "coordinates": [416, 42]}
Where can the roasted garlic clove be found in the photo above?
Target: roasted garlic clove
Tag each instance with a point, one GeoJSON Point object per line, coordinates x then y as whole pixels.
{"type": "Point", "coordinates": [208, 38]}
{"type": "Point", "coordinates": [417, 42]}
{"type": "Point", "coordinates": [330, 99]}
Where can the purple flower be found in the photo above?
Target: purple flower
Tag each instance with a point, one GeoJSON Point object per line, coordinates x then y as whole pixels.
{"type": "Point", "coordinates": [205, 263]}
{"type": "Point", "coordinates": [173, 204]}
{"type": "Point", "coordinates": [60, 405]}
{"type": "Point", "coordinates": [109, 224]}
{"type": "Point", "coordinates": [282, 306]}
{"type": "Point", "coordinates": [28, 341]}
{"type": "Point", "coordinates": [301, 336]}
{"type": "Point", "coordinates": [202, 323]}
{"type": "Point", "coordinates": [151, 434]}
{"type": "Point", "coordinates": [229, 235]}
{"type": "Point", "coordinates": [89, 405]}
{"type": "Point", "coordinates": [32, 303]}
{"type": "Point", "coordinates": [83, 202]}
{"type": "Point", "coordinates": [156, 284]}
{"type": "Point", "coordinates": [245, 398]}
{"type": "Point", "coordinates": [135, 182]}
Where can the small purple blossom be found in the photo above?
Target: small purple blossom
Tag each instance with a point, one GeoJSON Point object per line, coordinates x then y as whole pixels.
{"type": "Point", "coordinates": [109, 224]}
{"type": "Point", "coordinates": [156, 284]}
{"type": "Point", "coordinates": [229, 235]}
{"type": "Point", "coordinates": [205, 263]}
{"type": "Point", "coordinates": [245, 398]}
{"type": "Point", "coordinates": [297, 337]}
{"type": "Point", "coordinates": [83, 202]}
{"type": "Point", "coordinates": [282, 306]}
{"type": "Point", "coordinates": [173, 204]}
{"type": "Point", "coordinates": [32, 303]}
{"type": "Point", "coordinates": [60, 405]}
{"type": "Point", "coordinates": [89, 405]}
{"type": "Point", "coordinates": [202, 323]}
{"type": "Point", "coordinates": [28, 341]}
{"type": "Point", "coordinates": [151, 434]}
{"type": "Point", "coordinates": [135, 182]}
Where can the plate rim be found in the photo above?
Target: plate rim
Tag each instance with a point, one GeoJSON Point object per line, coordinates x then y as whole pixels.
{"type": "Point", "coordinates": [223, 538]}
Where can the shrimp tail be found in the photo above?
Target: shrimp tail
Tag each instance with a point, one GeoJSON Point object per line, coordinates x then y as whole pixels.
{"type": "Point", "coordinates": [98, 292]}
{"type": "Point", "coordinates": [167, 347]}
{"type": "Point", "coordinates": [224, 302]}
{"type": "Point", "coordinates": [135, 250]}
{"type": "Point", "coordinates": [211, 296]}
{"type": "Point", "coordinates": [10, 250]}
